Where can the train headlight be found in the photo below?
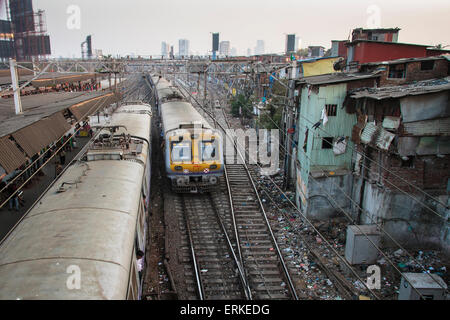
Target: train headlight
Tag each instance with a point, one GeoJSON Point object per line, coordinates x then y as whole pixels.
{"type": "Point", "coordinates": [213, 166]}
{"type": "Point", "coordinates": [178, 168]}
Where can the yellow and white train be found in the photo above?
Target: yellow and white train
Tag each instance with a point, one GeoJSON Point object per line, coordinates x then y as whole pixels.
{"type": "Point", "coordinates": [193, 149]}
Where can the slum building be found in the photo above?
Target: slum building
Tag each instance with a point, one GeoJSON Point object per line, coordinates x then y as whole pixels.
{"type": "Point", "coordinates": [401, 167]}
{"type": "Point", "coordinates": [324, 151]}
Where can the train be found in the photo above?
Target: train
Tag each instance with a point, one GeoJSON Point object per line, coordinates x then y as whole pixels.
{"type": "Point", "coordinates": [86, 236]}
{"type": "Point", "coordinates": [193, 149]}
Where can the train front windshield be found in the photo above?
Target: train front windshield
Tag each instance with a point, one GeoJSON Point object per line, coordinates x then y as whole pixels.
{"type": "Point", "coordinates": [208, 150]}
{"type": "Point", "coordinates": [181, 151]}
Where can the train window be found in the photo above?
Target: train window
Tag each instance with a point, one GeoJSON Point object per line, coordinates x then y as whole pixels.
{"type": "Point", "coordinates": [209, 150]}
{"type": "Point", "coordinates": [181, 151]}
{"type": "Point", "coordinates": [133, 288]}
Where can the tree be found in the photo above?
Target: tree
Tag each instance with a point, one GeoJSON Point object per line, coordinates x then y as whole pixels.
{"type": "Point", "coordinates": [242, 106]}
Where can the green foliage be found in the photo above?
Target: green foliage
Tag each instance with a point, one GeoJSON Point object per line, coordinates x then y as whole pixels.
{"type": "Point", "coordinates": [243, 104]}
{"type": "Point", "coordinates": [271, 117]}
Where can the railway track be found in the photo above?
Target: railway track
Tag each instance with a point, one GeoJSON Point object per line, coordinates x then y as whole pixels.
{"type": "Point", "coordinates": [211, 268]}
{"type": "Point", "coordinates": [257, 251]}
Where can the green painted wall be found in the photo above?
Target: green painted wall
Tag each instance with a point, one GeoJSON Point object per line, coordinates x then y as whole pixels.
{"type": "Point", "coordinates": [341, 125]}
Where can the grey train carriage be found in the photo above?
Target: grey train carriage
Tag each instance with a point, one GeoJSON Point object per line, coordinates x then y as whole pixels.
{"type": "Point", "coordinates": [80, 241]}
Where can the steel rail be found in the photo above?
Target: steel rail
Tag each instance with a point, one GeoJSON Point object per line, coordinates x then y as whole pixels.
{"type": "Point", "coordinates": [198, 277]}
{"type": "Point", "coordinates": [277, 249]}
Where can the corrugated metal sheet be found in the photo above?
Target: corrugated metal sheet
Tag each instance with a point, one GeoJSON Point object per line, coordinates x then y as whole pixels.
{"type": "Point", "coordinates": [437, 127]}
{"type": "Point", "coordinates": [34, 138]}
{"type": "Point", "coordinates": [433, 145]}
{"type": "Point", "coordinates": [368, 134]}
{"type": "Point", "coordinates": [377, 136]}
{"type": "Point", "coordinates": [406, 146]}
{"type": "Point", "coordinates": [391, 122]}
{"type": "Point", "coordinates": [89, 107]}
{"type": "Point", "coordinates": [426, 107]}
{"type": "Point", "coordinates": [11, 157]}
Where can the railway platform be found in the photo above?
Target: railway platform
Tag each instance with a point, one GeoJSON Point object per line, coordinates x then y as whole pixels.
{"type": "Point", "coordinates": [34, 189]}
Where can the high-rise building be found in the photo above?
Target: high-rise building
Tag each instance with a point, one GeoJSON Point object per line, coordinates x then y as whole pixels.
{"type": "Point", "coordinates": [215, 43]}
{"type": "Point", "coordinates": [224, 48]}
{"type": "Point", "coordinates": [233, 52]}
{"type": "Point", "coordinates": [290, 43]}
{"type": "Point", "coordinates": [259, 49]}
{"type": "Point", "coordinates": [165, 49]}
{"type": "Point", "coordinates": [249, 52]}
{"type": "Point", "coordinates": [183, 47]}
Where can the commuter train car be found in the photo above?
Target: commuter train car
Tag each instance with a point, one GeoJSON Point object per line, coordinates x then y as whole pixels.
{"type": "Point", "coordinates": [193, 149]}
{"type": "Point", "coordinates": [80, 241]}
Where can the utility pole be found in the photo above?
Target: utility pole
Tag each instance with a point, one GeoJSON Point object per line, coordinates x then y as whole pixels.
{"type": "Point", "coordinates": [205, 91]}
{"type": "Point", "coordinates": [289, 134]}
{"type": "Point", "coordinates": [15, 86]}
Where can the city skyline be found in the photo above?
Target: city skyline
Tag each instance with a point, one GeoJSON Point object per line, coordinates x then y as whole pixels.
{"type": "Point", "coordinates": [151, 23]}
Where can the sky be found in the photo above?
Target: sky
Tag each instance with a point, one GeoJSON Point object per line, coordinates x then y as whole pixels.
{"type": "Point", "coordinates": [139, 26]}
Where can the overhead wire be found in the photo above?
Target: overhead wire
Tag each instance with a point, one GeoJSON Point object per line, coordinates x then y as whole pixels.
{"type": "Point", "coordinates": [351, 218]}
{"type": "Point", "coordinates": [315, 229]}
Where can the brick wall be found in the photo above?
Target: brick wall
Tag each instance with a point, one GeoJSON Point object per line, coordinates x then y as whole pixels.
{"type": "Point", "coordinates": [414, 73]}
{"type": "Point", "coordinates": [437, 173]}
{"type": "Point", "coordinates": [428, 173]}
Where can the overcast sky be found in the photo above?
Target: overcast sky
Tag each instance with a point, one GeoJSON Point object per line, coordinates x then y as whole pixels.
{"type": "Point", "coordinates": [139, 26]}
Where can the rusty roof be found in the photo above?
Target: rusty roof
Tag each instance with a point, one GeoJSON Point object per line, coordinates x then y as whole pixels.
{"type": "Point", "coordinates": [332, 78]}
{"type": "Point", "coordinates": [40, 134]}
{"type": "Point", "coordinates": [37, 107]}
{"type": "Point", "coordinates": [417, 88]}
{"type": "Point", "coordinates": [11, 157]}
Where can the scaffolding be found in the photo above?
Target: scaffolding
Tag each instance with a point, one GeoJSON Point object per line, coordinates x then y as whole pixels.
{"type": "Point", "coordinates": [23, 34]}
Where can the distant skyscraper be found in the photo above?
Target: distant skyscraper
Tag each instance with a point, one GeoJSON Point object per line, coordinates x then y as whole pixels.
{"type": "Point", "coordinates": [215, 43]}
{"type": "Point", "coordinates": [249, 52]}
{"type": "Point", "coordinates": [290, 43]}
{"type": "Point", "coordinates": [164, 49]}
{"type": "Point", "coordinates": [224, 48]}
{"type": "Point", "coordinates": [259, 47]}
{"type": "Point", "coordinates": [183, 48]}
{"type": "Point", "coordinates": [233, 52]}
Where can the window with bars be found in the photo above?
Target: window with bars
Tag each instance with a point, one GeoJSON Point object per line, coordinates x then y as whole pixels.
{"type": "Point", "coordinates": [331, 110]}
{"type": "Point", "coordinates": [397, 71]}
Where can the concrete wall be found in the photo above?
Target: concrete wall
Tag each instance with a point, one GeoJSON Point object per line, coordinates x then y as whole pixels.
{"type": "Point", "coordinates": [326, 198]}
{"type": "Point", "coordinates": [405, 219]}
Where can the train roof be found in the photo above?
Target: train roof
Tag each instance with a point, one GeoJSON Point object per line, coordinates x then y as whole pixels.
{"type": "Point", "coordinates": [136, 118]}
{"type": "Point", "coordinates": [90, 225]}
{"type": "Point", "coordinates": [177, 113]}
{"type": "Point", "coordinates": [165, 89]}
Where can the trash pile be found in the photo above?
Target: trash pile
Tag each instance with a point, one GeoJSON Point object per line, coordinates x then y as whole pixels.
{"type": "Point", "coordinates": [297, 238]}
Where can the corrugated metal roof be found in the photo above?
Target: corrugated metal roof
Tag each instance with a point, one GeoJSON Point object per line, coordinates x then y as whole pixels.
{"type": "Point", "coordinates": [34, 138]}
{"type": "Point", "coordinates": [11, 157]}
{"type": "Point", "coordinates": [51, 79]}
{"type": "Point", "coordinates": [437, 127]}
{"type": "Point", "coordinates": [87, 108]}
{"type": "Point", "coordinates": [418, 88]}
{"type": "Point", "coordinates": [37, 107]}
{"type": "Point", "coordinates": [337, 78]}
